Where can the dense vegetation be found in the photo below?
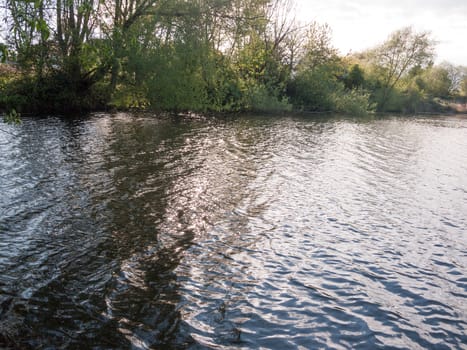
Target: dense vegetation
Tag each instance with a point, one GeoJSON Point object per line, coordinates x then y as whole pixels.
{"type": "Point", "coordinates": [206, 55]}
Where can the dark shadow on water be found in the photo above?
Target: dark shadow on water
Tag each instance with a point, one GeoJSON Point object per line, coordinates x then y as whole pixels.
{"type": "Point", "coordinates": [88, 270]}
{"type": "Point", "coordinates": [104, 210]}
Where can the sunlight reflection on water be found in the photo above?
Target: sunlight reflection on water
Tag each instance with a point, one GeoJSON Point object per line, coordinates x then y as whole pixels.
{"type": "Point", "coordinates": [121, 231]}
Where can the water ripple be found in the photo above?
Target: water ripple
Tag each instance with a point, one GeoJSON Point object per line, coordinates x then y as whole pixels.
{"type": "Point", "coordinates": [130, 231]}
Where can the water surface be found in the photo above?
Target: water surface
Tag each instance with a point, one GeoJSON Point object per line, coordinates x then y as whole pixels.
{"type": "Point", "coordinates": [135, 231]}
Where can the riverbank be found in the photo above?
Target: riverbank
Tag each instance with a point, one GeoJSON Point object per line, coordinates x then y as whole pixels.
{"type": "Point", "coordinates": [460, 108]}
{"type": "Point", "coordinates": [24, 94]}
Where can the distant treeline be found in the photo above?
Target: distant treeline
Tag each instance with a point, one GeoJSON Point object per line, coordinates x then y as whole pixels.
{"type": "Point", "coordinates": [206, 55]}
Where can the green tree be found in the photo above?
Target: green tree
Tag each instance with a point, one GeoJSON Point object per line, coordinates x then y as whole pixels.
{"type": "Point", "coordinates": [463, 86]}
{"type": "Point", "coordinates": [404, 50]}
{"type": "Point", "coordinates": [29, 32]}
{"type": "Point", "coordinates": [435, 81]}
{"type": "Point", "coordinates": [312, 89]}
{"type": "Point", "coordinates": [355, 78]}
{"type": "Point", "coordinates": [3, 53]}
{"type": "Point", "coordinates": [317, 49]}
{"type": "Point", "coordinates": [119, 18]}
{"type": "Point", "coordinates": [315, 78]}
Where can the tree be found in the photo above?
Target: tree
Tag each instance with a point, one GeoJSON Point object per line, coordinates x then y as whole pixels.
{"type": "Point", "coordinates": [118, 17]}
{"type": "Point", "coordinates": [28, 32]}
{"type": "Point", "coordinates": [354, 79]}
{"type": "Point", "coordinates": [436, 82]}
{"type": "Point", "coordinates": [3, 53]}
{"type": "Point", "coordinates": [456, 75]}
{"type": "Point", "coordinates": [404, 50]}
{"type": "Point", "coordinates": [463, 86]}
{"type": "Point", "coordinates": [315, 76]}
{"type": "Point", "coordinates": [317, 48]}
{"type": "Point", "coordinates": [76, 21]}
{"type": "Point", "coordinates": [315, 80]}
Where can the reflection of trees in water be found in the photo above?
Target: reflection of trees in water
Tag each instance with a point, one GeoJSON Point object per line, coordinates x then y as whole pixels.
{"type": "Point", "coordinates": [141, 298]}
{"type": "Point", "coordinates": [177, 183]}
{"type": "Point", "coordinates": [227, 200]}
{"type": "Point", "coordinates": [119, 201]}
{"type": "Point", "coordinates": [50, 230]}
{"type": "Point", "coordinates": [94, 236]}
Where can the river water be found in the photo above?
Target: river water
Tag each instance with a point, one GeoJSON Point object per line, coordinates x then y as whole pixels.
{"type": "Point", "coordinates": [121, 231]}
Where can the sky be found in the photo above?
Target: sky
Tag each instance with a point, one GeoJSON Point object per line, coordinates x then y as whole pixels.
{"type": "Point", "coordinates": [361, 24]}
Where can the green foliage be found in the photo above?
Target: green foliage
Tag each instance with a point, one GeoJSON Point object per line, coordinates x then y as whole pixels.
{"type": "Point", "coordinates": [7, 73]}
{"type": "Point", "coordinates": [353, 102]}
{"type": "Point", "coordinates": [224, 88]}
{"type": "Point", "coordinates": [3, 53]}
{"type": "Point", "coordinates": [463, 86]}
{"type": "Point", "coordinates": [50, 94]}
{"type": "Point", "coordinates": [12, 117]}
{"type": "Point", "coordinates": [42, 28]}
{"type": "Point", "coordinates": [435, 82]}
{"type": "Point", "coordinates": [355, 78]}
{"type": "Point", "coordinates": [313, 89]}
{"type": "Point", "coordinates": [317, 49]}
{"type": "Point", "coordinates": [318, 91]}
{"type": "Point", "coordinates": [404, 50]}
{"type": "Point", "coordinates": [323, 82]}
{"type": "Point", "coordinates": [209, 55]}
{"type": "Point", "coordinates": [261, 100]}
{"type": "Point", "coordinates": [176, 83]}
{"type": "Point", "coordinates": [9, 98]}
{"type": "Point", "coordinates": [408, 101]}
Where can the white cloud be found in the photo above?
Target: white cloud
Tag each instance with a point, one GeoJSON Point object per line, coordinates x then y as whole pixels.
{"type": "Point", "coordinates": [360, 24]}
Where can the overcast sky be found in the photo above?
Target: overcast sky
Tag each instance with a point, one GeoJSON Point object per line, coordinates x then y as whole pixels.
{"type": "Point", "coordinates": [361, 24]}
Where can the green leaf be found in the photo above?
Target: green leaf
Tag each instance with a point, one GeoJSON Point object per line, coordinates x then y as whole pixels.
{"type": "Point", "coordinates": [12, 117]}
{"type": "Point", "coordinates": [3, 53]}
{"type": "Point", "coordinates": [43, 28]}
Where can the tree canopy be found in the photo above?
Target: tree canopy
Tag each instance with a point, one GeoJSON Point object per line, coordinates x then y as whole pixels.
{"type": "Point", "coordinates": [205, 55]}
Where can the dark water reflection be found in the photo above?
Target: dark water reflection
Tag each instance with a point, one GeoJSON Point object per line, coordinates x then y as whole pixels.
{"type": "Point", "coordinates": [123, 231]}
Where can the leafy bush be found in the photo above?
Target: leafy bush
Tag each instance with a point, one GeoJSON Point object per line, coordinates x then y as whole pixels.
{"type": "Point", "coordinates": [353, 102]}
{"type": "Point", "coordinates": [12, 117]}
{"type": "Point", "coordinates": [51, 94]}
{"type": "Point", "coordinates": [261, 100]}
{"type": "Point", "coordinates": [312, 90]}
{"type": "Point", "coordinates": [320, 90]}
{"type": "Point", "coordinates": [407, 100]}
